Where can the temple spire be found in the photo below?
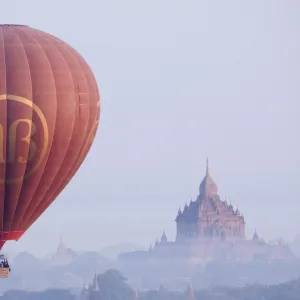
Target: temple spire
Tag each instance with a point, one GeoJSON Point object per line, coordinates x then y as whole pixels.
{"type": "Point", "coordinates": [61, 246]}
{"type": "Point", "coordinates": [136, 295]}
{"type": "Point", "coordinates": [84, 295]}
{"type": "Point", "coordinates": [95, 287]}
{"type": "Point", "coordinates": [190, 293]}
{"type": "Point", "coordinates": [164, 238]}
{"type": "Point", "coordinates": [207, 168]}
{"type": "Point", "coordinates": [86, 285]}
{"type": "Point", "coordinates": [255, 236]}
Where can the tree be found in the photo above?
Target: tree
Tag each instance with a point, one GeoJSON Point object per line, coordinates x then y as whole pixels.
{"type": "Point", "coordinates": [113, 286]}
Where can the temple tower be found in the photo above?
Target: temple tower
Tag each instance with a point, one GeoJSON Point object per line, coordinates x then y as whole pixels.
{"type": "Point", "coordinates": [209, 217]}
{"type": "Point", "coordinates": [190, 295]}
{"type": "Point", "coordinates": [85, 293]}
{"type": "Point", "coordinates": [95, 291]}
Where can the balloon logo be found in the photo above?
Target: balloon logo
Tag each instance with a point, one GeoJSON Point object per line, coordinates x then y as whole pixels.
{"type": "Point", "coordinates": [29, 128]}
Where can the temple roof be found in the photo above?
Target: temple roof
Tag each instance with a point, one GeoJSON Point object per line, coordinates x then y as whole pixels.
{"type": "Point", "coordinates": [164, 238]}
{"type": "Point", "coordinates": [208, 204]}
{"type": "Point", "coordinates": [255, 236]}
{"type": "Point", "coordinates": [208, 186]}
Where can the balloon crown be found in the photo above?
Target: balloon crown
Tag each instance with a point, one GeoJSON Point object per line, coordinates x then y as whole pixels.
{"type": "Point", "coordinates": [12, 25]}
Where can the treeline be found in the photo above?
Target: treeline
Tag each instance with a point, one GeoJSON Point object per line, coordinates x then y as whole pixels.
{"type": "Point", "coordinates": [45, 295]}
{"type": "Point", "coordinates": [113, 286]}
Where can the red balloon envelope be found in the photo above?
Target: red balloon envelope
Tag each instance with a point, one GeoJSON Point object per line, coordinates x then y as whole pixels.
{"type": "Point", "coordinates": [49, 115]}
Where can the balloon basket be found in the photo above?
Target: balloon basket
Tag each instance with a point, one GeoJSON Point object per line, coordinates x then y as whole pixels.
{"type": "Point", "coordinates": [4, 272]}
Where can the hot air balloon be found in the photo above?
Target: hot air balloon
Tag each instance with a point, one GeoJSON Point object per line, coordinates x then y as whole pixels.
{"type": "Point", "coordinates": [49, 115]}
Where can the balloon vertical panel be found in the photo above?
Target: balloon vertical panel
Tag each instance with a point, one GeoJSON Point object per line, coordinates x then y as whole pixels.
{"type": "Point", "coordinates": [43, 93]}
{"type": "Point", "coordinates": [93, 120]}
{"type": "Point", "coordinates": [64, 123]}
{"type": "Point", "coordinates": [19, 122]}
{"type": "Point", "coordinates": [81, 129]}
{"type": "Point", "coordinates": [3, 120]}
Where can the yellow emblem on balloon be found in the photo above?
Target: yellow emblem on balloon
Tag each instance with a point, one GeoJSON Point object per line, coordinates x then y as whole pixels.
{"type": "Point", "coordinates": [10, 139]}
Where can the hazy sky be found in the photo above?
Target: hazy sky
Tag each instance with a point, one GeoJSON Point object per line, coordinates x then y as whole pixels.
{"type": "Point", "coordinates": [179, 81]}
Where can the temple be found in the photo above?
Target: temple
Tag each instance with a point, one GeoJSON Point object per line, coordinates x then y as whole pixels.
{"type": "Point", "coordinates": [91, 292]}
{"type": "Point", "coordinates": [209, 217]}
{"type": "Point", "coordinates": [209, 229]}
{"type": "Point", "coordinates": [63, 255]}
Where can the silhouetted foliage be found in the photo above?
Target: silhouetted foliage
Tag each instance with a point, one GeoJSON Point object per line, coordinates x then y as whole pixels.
{"type": "Point", "coordinates": [45, 295]}
{"type": "Point", "coordinates": [113, 286]}
{"type": "Point", "coordinates": [285, 291]}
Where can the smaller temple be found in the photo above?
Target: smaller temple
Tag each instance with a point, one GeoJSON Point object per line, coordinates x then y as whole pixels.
{"type": "Point", "coordinates": [85, 293]}
{"type": "Point", "coordinates": [95, 293]}
{"type": "Point", "coordinates": [136, 295]}
{"type": "Point", "coordinates": [190, 295]}
{"type": "Point", "coordinates": [63, 255]}
{"type": "Point", "coordinates": [163, 239]}
{"type": "Point", "coordinates": [255, 236]}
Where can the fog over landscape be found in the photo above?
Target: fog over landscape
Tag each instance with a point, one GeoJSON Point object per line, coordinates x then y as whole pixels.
{"type": "Point", "coordinates": [180, 82]}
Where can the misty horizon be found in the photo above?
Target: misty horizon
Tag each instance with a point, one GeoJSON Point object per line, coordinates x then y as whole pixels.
{"type": "Point", "coordinates": [179, 82]}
